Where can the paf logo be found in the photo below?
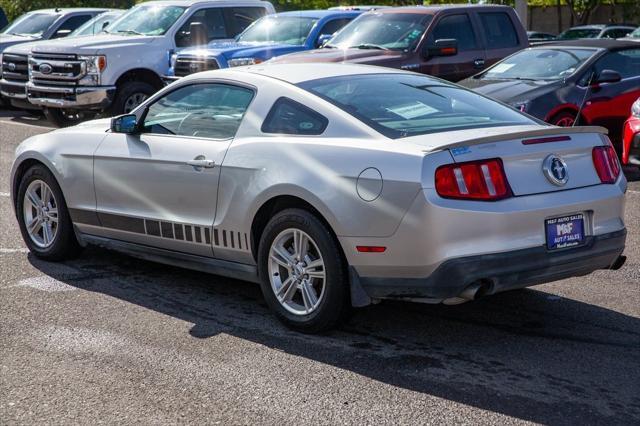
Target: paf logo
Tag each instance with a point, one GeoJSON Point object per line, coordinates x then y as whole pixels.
{"type": "Point", "coordinates": [564, 229]}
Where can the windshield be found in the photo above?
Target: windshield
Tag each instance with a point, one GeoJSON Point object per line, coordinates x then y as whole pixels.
{"type": "Point", "coordinates": [147, 20]}
{"type": "Point", "coordinates": [579, 33]}
{"type": "Point", "coordinates": [395, 31]}
{"type": "Point", "coordinates": [539, 64]}
{"type": "Point", "coordinates": [279, 29]}
{"type": "Point", "coordinates": [31, 24]}
{"type": "Point", "coordinates": [400, 105]}
{"type": "Point", "coordinates": [95, 25]}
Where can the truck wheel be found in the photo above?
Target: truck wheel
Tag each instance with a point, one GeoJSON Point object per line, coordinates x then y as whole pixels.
{"type": "Point", "coordinates": [302, 273]}
{"type": "Point", "coordinates": [130, 95]}
{"type": "Point", "coordinates": [66, 118]}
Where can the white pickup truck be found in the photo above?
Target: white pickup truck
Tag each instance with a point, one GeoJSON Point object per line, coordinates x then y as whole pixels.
{"type": "Point", "coordinates": [113, 73]}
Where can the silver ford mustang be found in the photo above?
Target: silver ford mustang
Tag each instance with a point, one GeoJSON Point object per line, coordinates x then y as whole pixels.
{"type": "Point", "coordinates": [331, 185]}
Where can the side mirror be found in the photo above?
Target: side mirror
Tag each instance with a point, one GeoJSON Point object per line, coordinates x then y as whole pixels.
{"type": "Point", "coordinates": [61, 33]}
{"type": "Point", "coordinates": [441, 47]}
{"type": "Point", "coordinates": [322, 39]}
{"type": "Point", "coordinates": [607, 76]}
{"type": "Point", "coordinates": [198, 34]}
{"type": "Point", "coordinates": [127, 123]}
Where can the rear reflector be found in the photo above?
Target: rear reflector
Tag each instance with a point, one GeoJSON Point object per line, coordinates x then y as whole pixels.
{"type": "Point", "coordinates": [482, 180]}
{"type": "Point", "coordinates": [371, 249]}
{"type": "Point", "coordinates": [546, 140]}
{"type": "Point", "coordinates": [605, 160]}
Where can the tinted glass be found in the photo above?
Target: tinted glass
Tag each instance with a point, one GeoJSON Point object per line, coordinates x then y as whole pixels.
{"type": "Point", "coordinates": [70, 25]}
{"type": "Point", "coordinates": [458, 27]}
{"type": "Point", "coordinates": [626, 62]}
{"type": "Point", "coordinates": [31, 24]}
{"type": "Point", "coordinates": [498, 30]}
{"type": "Point", "coordinates": [292, 118]}
{"type": "Point", "coordinates": [579, 33]}
{"type": "Point", "coordinates": [214, 23]}
{"type": "Point", "coordinates": [202, 110]}
{"type": "Point", "coordinates": [245, 16]}
{"type": "Point", "coordinates": [399, 105]}
{"type": "Point", "coordinates": [394, 31]}
{"type": "Point", "coordinates": [96, 25]}
{"type": "Point", "coordinates": [539, 64]}
{"type": "Point", "coordinates": [279, 29]}
{"type": "Point", "coordinates": [147, 20]}
{"type": "Point", "coordinates": [333, 26]}
{"type": "Point", "coordinates": [615, 33]}
{"type": "Point", "coordinates": [635, 33]}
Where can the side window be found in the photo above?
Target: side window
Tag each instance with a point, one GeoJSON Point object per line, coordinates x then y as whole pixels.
{"type": "Point", "coordinates": [292, 118]}
{"type": "Point", "coordinates": [498, 30]}
{"type": "Point", "coordinates": [615, 33]}
{"type": "Point", "coordinates": [214, 22]}
{"type": "Point", "coordinates": [70, 24]}
{"type": "Point", "coordinates": [245, 16]}
{"type": "Point", "coordinates": [212, 111]}
{"type": "Point", "coordinates": [626, 62]}
{"type": "Point", "coordinates": [334, 25]}
{"type": "Point", "coordinates": [458, 27]}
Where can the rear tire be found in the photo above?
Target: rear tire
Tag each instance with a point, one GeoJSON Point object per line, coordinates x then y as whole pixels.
{"type": "Point", "coordinates": [131, 94]}
{"type": "Point", "coordinates": [43, 216]}
{"type": "Point", "coordinates": [316, 297]}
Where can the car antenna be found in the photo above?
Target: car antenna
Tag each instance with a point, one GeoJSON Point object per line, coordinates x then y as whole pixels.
{"type": "Point", "coordinates": [584, 99]}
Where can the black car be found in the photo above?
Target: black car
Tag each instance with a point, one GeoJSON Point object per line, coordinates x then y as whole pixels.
{"type": "Point", "coordinates": [593, 82]}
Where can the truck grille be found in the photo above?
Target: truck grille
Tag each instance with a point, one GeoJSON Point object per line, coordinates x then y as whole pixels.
{"type": "Point", "coordinates": [193, 64]}
{"type": "Point", "coordinates": [15, 67]}
{"type": "Point", "coordinates": [56, 69]}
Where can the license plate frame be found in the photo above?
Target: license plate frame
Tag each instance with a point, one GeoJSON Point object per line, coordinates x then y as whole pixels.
{"type": "Point", "coordinates": [565, 232]}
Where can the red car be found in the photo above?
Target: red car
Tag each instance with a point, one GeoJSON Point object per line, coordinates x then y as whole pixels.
{"type": "Point", "coordinates": [631, 137]}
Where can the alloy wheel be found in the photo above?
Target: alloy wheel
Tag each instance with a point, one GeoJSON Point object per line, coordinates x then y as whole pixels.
{"type": "Point", "coordinates": [133, 101]}
{"type": "Point", "coordinates": [40, 214]}
{"type": "Point", "coordinates": [297, 271]}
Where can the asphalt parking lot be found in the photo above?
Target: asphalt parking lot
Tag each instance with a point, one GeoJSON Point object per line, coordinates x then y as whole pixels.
{"type": "Point", "coordinates": [107, 338]}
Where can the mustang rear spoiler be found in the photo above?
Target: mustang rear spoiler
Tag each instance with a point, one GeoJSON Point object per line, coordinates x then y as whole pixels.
{"type": "Point", "coordinates": [528, 134]}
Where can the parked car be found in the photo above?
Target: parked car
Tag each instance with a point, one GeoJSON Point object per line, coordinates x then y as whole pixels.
{"type": "Point", "coordinates": [3, 19]}
{"type": "Point", "coordinates": [538, 36]}
{"type": "Point", "coordinates": [596, 31]}
{"type": "Point", "coordinates": [631, 136]}
{"type": "Point", "coordinates": [113, 73]}
{"type": "Point", "coordinates": [270, 36]}
{"type": "Point", "coordinates": [13, 87]}
{"type": "Point", "coordinates": [593, 80]}
{"type": "Point", "coordinates": [98, 24]}
{"type": "Point", "coordinates": [331, 185]}
{"type": "Point", "coordinates": [451, 42]}
{"type": "Point", "coordinates": [42, 24]}
{"type": "Point", "coordinates": [634, 35]}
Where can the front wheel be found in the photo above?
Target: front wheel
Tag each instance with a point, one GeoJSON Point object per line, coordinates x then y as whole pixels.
{"type": "Point", "coordinates": [564, 119]}
{"type": "Point", "coordinates": [43, 217]}
{"type": "Point", "coordinates": [303, 275]}
{"type": "Point", "coordinates": [130, 95]}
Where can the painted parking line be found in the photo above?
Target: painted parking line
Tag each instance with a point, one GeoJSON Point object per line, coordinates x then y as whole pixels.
{"type": "Point", "coordinates": [4, 194]}
{"type": "Point", "coordinates": [13, 250]}
{"type": "Point", "coordinates": [45, 283]}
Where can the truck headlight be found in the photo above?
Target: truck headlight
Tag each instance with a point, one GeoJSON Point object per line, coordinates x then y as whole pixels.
{"type": "Point", "coordinates": [94, 66]}
{"type": "Point", "coordinates": [240, 62]}
{"type": "Point", "coordinates": [635, 108]}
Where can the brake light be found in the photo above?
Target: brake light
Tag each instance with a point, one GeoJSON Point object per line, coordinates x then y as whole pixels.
{"type": "Point", "coordinates": [482, 180]}
{"type": "Point", "coordinates": [605, 160]}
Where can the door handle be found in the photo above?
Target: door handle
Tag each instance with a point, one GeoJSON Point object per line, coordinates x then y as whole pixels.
{"type": "Point", "coordinates": [201, 163]}
{"type": "Point", "coordinates": [478, 63]}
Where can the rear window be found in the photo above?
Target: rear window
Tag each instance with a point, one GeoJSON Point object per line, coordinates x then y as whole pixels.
{"type": "Point", "coordinates": [498, 30]}
{"type": "Point", "coordinates": [400, 105]}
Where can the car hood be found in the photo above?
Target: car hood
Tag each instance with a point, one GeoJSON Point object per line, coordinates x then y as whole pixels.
{"type": "Point", "coordinates": [23, 48]}
{"type": "Point", "coordinates": [236, 50]}
{"type": "Point", "coordinates": [511, 90]}
{"type": "Point", "coordinates": [93, 44]}
{"type": "Point", "coordinates": [7, 40]}
{"type": "Point", "coordinates": [361, 56]}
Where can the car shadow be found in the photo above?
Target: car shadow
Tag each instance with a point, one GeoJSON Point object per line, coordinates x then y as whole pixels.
{"type": "Point", "coordinates": [34, 118]}
{"type": "Point", "coordinates": [527, 354]}
{"type": "Point", "coordinates": [632, 173]}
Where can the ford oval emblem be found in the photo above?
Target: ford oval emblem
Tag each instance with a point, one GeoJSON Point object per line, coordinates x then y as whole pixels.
{"type": "Point", "coordinates": [555, 170]}
{"type": "Point", "coordinates": [45, 68]}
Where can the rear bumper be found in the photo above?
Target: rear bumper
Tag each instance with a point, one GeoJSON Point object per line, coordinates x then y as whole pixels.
{"type": "Point", "coordinates": [13, 89]}
{"type": "Point", "coordinates": [71, 97]}
{"type": "Point", "coordinates": [503, 271]}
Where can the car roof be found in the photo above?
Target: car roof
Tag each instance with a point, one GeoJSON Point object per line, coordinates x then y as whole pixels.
{"type": "Point", "coordinates": [598, 43]}
{"type": "Point", "coordinates": [189, 3]}
{"type": "Point", "coordinates": [64, 10]}
{"type": "Point", "coordinates": [600, 26]}
{"type": "Point", "coordinates": [432, 10]}
{"type": "Point", "coordinates": [318, 13]}
{"type": "Point", "coordinates": [298, 73]}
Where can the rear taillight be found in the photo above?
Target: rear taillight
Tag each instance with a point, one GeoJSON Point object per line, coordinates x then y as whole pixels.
{"type": "Point", "coordinates": [482, 180]}
{"type": "Point", "coordinates": [605, 160]}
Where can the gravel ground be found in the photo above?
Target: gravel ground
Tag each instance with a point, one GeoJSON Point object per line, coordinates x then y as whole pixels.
{"type": "Point", "coordinates": [110, 339]}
